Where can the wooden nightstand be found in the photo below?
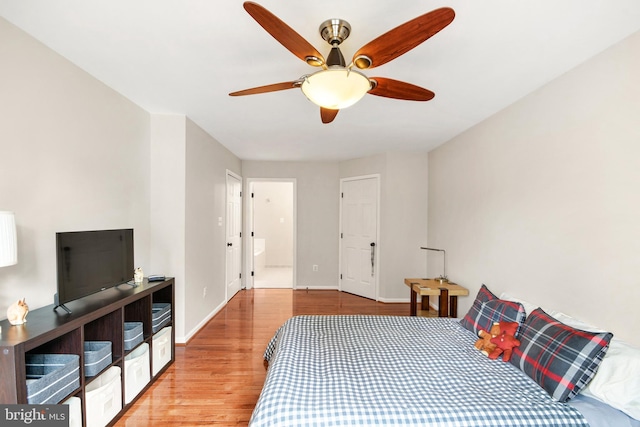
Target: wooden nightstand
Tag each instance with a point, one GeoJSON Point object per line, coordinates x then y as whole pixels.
{"type": "Point", "coordinates": [447, 293]}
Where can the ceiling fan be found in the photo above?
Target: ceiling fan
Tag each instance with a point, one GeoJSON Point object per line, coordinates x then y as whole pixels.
{"type": "Point", "coordinates": [339, 85]}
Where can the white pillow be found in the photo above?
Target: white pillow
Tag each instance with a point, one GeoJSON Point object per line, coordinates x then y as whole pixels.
{"type": "Point", "coordinates": [528, 307]}
{"type": "Point", "coordinates": [617, 382]}
{"type": "Point", "coordinates": [574, 323]}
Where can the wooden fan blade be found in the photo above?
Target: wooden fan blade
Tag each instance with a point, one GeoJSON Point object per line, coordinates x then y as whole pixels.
{"type": "Point", "coordinates": [328, 115]}
{"type": "Point", "coordinates": [267, 88]}
{"type": "Point", "coordinates": [403, 38]}
{"type": "Point", "coordinates": [287, 36]}
{"type": "Point", "coordinates": [396, 89]}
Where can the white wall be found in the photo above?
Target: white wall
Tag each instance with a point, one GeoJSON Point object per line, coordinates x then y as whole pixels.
{"type": "Point", "coordinates": [543, 199]}
{"type": "Point", "coordinates": [188, 197]}
{"type": "Point", "coordinates": [207, 162]}
{"type": "Point", "coordinates": [318, 186]}
{"type": "Point", "coordinates": [403, 217]}
{"type": "Point", "coordinates": [168, 187]}
{"type": "Point", "coordinates": [74, 155]}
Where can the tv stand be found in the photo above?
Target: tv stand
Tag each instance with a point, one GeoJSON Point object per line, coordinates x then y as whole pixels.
{"type": "Point", "coordinates": [97, 317]}
{"type": "Point", "coordinates": [62, 306]}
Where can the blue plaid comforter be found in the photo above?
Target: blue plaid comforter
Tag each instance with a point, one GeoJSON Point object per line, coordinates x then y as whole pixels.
{"type": "Point", "coordinates": [401, 371]}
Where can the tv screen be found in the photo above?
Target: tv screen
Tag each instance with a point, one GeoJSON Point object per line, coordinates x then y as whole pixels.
{"type": "Point", "coordinates": [91, 261]}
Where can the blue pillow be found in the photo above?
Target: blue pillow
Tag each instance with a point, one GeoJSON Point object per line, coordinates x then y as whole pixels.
{"type": "Point", "coordinates": [488, 309]}
{"type": "Point", "coordinates": [561, 359]}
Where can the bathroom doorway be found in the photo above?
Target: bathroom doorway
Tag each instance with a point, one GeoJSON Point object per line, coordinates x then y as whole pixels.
{"type": "Point", "coordinates": [273, 233]}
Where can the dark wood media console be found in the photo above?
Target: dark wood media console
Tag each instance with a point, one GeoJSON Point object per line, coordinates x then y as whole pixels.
{"type": "Point", "coordinates": [97, 317]}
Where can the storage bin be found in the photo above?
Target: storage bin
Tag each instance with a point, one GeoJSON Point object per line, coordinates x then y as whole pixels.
{"type": "Point", "coordinates": [97, 356]}
{"type": "Point", "coordinates": [104, 397]}
{"type": "Point", "coordinates": [160, 315]}
{"type": "Point", "coordinates": [75, 411]}
{"type": "Point", "coordinates": [161, 348]}
{"type": "Point", "coordinates": [132, 334]}
{"type": "Point", "coordinates": [136, 372]}
{"type": "Point", "coordinates": [51, 377]}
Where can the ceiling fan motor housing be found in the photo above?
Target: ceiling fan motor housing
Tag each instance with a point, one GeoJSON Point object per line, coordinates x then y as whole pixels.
{"type": "Point", "coordinates": [335, 58]}
{"type": "Point", "coordinates": [335, 31]}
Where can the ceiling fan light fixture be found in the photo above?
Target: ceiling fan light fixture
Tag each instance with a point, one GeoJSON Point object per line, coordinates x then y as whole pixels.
{"type": "Point", "coordinates": [335, 88]}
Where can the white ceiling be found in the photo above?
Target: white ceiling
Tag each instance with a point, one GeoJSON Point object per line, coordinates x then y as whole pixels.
{"type": "Point", "coordinates": [185, 56]}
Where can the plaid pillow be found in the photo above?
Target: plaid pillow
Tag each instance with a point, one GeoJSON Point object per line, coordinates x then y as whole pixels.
{"type": "Point", "coordinates": [487, 309]}
{"type": "Point", "coordinates": [561, 359]}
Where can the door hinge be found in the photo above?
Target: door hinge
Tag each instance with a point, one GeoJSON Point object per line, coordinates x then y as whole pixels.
{"type": "Point", "coordinates": [252, 234]}
{"type": "Point", "coordinates": [252, 195]}
{"type": "Point", "coordinates": [342, 195]}
{"type": "Point", "coordinates": [241, 194]}
{"type": "Point", "coordinates": [241, 234]}
{"type": "Point", "coordinates": [340, 276]}
{"type": "Point", "coordinates": [240, 275]}
{"type": "Point", "coordinates": [252, 274]}
{"type": "Point", "coordinates": [341, 236]}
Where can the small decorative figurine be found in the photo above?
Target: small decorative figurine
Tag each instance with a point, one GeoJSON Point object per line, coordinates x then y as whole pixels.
{"type": "Point", "coordinates": [17, 312]}
{"type": "Point", "coordinates": [138, 275]}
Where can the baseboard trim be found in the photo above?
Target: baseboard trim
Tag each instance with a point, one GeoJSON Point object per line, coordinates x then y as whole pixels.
{"type": "Point", "coordinates": [185, 340]}
{"type": "Point", "coordinates": [393, 300]}
{"type": "Point", "coordinates": [316, 288]}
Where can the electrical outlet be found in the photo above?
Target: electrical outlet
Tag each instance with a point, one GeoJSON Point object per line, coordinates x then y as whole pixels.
{"type": "Point", "coordinates": [315, 267]}
{"type": "Point", "coordinates": [204, 292]}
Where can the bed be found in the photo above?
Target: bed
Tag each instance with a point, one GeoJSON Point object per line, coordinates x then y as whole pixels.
{"type": "Point", "coordinates": [411, 371]}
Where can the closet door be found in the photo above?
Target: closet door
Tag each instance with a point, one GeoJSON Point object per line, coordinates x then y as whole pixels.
{"type": "Point", "coordinates": [359, 236]}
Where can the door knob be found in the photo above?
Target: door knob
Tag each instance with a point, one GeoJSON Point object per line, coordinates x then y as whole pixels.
{"type": "Point", "coordinates": [229, 244]}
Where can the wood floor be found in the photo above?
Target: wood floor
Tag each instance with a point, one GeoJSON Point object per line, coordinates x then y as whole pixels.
{"type": "Point", "coordinates": [217, 377]}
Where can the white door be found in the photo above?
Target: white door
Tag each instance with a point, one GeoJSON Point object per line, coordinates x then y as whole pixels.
{"type": "Point", "coordinates": [359, 236]}
{"type": "Point", "coordinates": [234, 241]}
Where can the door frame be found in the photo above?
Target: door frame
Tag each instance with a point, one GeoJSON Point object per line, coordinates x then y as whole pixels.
{"type": "Point", "coordinates": [226, 223]}
{"type": "Point", "coordinates": [377, 177]}
{"type": "Point", "coordinates": [248, 229]}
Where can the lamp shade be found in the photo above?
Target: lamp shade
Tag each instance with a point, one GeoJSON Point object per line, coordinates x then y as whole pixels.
{"type": "Point", "coordinates": [335, 88]}
{"type": "Point", "coordinates": [8, 239]}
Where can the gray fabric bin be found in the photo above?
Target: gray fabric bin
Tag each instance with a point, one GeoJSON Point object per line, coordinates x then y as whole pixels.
{"type": "Point", "coordinates": [97, 356]}
{"type": "Point", "coordinates": [160, 315]}
{"type": "Point", "coordinates": [132, 334]}
{"type": "Point", "coordinates": [51, 377]}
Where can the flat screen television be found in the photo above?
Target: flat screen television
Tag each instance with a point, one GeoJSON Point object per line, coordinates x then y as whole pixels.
{"type": "Point", "coordinates": [92, 261]}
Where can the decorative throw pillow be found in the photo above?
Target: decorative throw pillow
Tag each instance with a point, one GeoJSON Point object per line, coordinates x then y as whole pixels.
{"type": "Point", "coordinates": [561, 359]}
{"type": "Point", "coordinates": [487, 309]}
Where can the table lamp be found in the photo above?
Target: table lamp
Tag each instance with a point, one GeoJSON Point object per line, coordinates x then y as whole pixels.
{"type": "Point", "coordinates": [443, 277]}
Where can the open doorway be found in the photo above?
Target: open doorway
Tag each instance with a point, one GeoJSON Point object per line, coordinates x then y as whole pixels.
{"type": "Point", "coordinates": [273, 233]}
